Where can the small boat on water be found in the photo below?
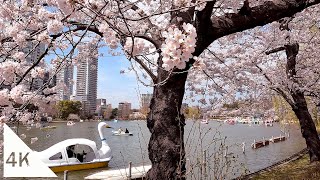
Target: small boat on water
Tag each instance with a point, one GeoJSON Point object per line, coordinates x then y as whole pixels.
{"type": "Point", "coordinates": [121, 133]}
{"type": "Point", "coordinates": [230, 121]}
{"type": "Point", "coordinates": [268, 123]}
{"type": "Point", "coordinates": [70, 123]}
{"type": "Point", "coordinates": [77, 154]}
{"type": "Point", "coordinates": [204, 121]}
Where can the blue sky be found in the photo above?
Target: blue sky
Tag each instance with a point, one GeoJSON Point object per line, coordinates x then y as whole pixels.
{"type": "Point", "coordinates": [113, 86]}
{"type": "Point", "coordinates": [116, 87]}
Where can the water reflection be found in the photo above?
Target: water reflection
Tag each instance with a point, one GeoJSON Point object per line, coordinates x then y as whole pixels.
{"type": "Point", "coordinates": [198, 137]}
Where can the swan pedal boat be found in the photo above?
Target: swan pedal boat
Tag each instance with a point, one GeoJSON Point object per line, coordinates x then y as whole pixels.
{"type": "Point", "coordinates": [122, 133]}
{"type": "Point", "coordinates": [85, 155]}
{"type": "Point", "coordinates": [70, 123]}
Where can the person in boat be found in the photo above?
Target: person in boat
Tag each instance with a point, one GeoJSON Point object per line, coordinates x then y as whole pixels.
{"type": "Point", "coordinates": [70, 151]}
{"type": "Point", "coordinates": [120, 130]}
{"type": "Point", "coordinates": [126, 131]}
{"type": "Point", "coordinates": [81, 156]}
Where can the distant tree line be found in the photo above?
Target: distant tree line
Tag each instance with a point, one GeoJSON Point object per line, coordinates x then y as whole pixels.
{"type": "Point", "coordinates": [67, 107]}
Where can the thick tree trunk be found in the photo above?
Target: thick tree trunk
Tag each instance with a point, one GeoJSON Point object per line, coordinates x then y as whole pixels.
{"type": "Point", "coordinates": [299, 105]}
{"type": "Point", "coordinates": [308, 128]}
{"type": "Point", "coordinates": [166, 124]}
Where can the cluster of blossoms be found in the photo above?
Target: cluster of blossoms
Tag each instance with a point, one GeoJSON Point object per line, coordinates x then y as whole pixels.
{"type": "Point", "coordinates": [64, 6]}
{"type": "Point", "coordinates": [17, 93]}
{"type": "Point", "coordinates": [25, 117]}
{"type": "Point", "coordinates": [54, 26]}
{"type": "Point", "coordinates": [137, 48]}
{"type": "Point", "coordinates": [16, 32]}
{"type": "Point", "coordinates": [19, 56]}
{"type": "Point", "coordinates": [8, 70]}
{"type": "Point", "coordinates": [38, 72]}
{"type": "Point", "coordinates": [4, 97]}
{"type": "Point", "coordinates": [199, 4]}
{"type": "Point", "coordinates": [109, 36]}
{"type": "Point", "coordinates": [95, 3]}
{"type": "Point", "coordinates": [178, 47]}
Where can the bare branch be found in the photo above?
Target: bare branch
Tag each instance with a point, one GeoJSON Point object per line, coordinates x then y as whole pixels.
{"type": "Point", "coordinates": [275, 50]}
{"type": "Point", "coordinates": [259, 16]}
{"type": "Point", "coordinates": [152, 76]}
{"type": "Point", "coordinates": [284, 95]}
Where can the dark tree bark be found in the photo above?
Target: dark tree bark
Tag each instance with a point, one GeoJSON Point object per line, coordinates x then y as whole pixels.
{"type": "Point", "coordinates": [308, 128]}
{"type": "Point", "coordinates": [299, 106]}
{"type": "Point", "coordinates": [165, 122]}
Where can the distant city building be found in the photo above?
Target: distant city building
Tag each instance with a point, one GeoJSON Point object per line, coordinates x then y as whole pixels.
{"type": "Point", "coordinates": [34, 51]}
{"type": "Point", "coordinates": [52, 81]}
{"type": "Point", "coordinates": [124, 110]}
{"type": "Point", "coordinates": [101, 106]}
{"type": "Point", "coordinates": [86, 86]}
{"type": "Point", "coordinates": [65, 76]}
{"type": "Point", "coordinates": [108, 111]}
{"type": "Point", "coordinates": [101, 102]}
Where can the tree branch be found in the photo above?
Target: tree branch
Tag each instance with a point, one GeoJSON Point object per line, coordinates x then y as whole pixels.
{"type": "Point", "coordinates": [284, 95]}
{"type": "Point", "coordinates": [275, 50]}
{"type": "Point", "coordinates": [143, 65]}
{"type": "Point", "coordinates": [259, 15]}
{"type": "Point", "coordinates": [202, 22]}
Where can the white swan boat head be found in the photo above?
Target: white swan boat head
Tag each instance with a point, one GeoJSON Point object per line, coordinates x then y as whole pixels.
{"type": "Point", "coordinates": [70, 123]}
{"type": "Point", "coordinates": [77, 153]}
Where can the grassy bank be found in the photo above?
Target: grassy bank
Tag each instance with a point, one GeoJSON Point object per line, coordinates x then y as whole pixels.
{"type": "Point", "coordinates": [293, 170]}
{"type": "Point", "coordinates": [297, 169]}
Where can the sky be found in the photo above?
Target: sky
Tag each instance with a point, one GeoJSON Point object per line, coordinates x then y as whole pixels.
{"type": "Point", "coordinates": [116, 87]}
{"type": "Point", "coordinates": [113, 86]}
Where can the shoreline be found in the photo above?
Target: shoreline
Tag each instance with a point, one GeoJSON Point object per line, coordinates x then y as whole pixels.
{"type": "Point", "coordinates": [293, 157]}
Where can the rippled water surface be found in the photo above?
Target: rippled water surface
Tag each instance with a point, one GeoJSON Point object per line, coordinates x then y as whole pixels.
{"type": "Point", "coordinates": [198, 137]}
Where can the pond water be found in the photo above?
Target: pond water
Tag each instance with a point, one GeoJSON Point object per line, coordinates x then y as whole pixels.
{"type": "Point", "coordinates": [221, 142]}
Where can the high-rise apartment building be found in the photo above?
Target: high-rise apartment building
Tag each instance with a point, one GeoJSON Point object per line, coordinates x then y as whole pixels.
{"type": "Point", "coordinates": [65, 76]}
{"type": "Point", "coordinates": [86, 86]}
{"type": "Point", "coordinates": [34, 51]}
{"type": "Point", "coordinates": [124, 110]}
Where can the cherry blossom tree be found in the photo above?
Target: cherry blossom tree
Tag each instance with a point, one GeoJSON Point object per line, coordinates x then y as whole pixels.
{"type": "Point", "coordinates": [293, 72]}
{"type": "Point", "coordinates": [165, 39]}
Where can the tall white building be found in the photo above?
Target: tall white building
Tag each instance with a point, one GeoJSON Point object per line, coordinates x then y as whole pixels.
{"type": "Point", "coordinates": [86, 86]}
{"type": "Point", "coordinates": [65, 76]}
